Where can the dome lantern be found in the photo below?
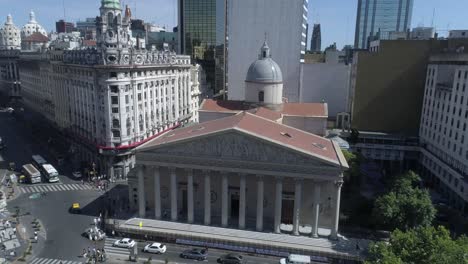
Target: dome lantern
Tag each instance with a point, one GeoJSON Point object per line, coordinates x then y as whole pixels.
{"type": "Point", "coordinates": [264, 80]}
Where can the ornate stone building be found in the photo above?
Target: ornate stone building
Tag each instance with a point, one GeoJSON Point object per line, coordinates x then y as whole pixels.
{"type": "Point", "coordinates": [244, 168]}
{"type": "Point", "coordinates": [10, 35]}
{"type": "Point", "coordinates": [113, 97]}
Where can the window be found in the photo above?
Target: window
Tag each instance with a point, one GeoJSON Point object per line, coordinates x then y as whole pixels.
{"type": "Point", "coordinates": [115, 123]}
{"type": "Point", "coordinates": [114, 89]}
{"type": "Point", "coordinates": [115, 110]}
{"type": "Point", "coordinates": [115, 133]}
{"type": "Point", "coordinates": [127, 101]}
{"type": "Point", "coordinates": [139, 97]}
{"type": "Point", "coordinates": [115, 99]}
{"type": "Point", "coordinates": [113, 75]}
{"type": "Point", "coordinates": [261, 96]}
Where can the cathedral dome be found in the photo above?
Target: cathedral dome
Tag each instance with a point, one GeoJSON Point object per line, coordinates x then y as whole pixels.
{"type": "Point", "coordinates": [265, 69]}
{"type": "Point", "coordinates": [10, 35]}
{"type": "Point", "coordinates": [32, 26]}
{"type": "Point", "coordinates": [110, 4]}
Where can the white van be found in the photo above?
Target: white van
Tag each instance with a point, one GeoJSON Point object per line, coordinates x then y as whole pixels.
{"type": "Point", "coordinates": [295, 259]}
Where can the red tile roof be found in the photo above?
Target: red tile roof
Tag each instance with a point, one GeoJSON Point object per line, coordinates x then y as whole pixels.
{"type": "Point", "coordinates": [305, 109]}
{"type": "Point", "coordinates": [291, 109]}
{"type": "Point", "coordinates": [260, 127]}
{"type": "Point", "coordinates": [36, 37]}
{"type": "Point", "coordinates": [224, 106]}
{"type": "Point", "coordinates": [266, 113]}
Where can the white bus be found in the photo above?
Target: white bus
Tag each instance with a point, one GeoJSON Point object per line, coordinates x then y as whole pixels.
{"type": "Point", "coordinates": [38, 161]}
{"type": "Point", "coordinates": [32, 174]}
{"type": "Point", "coordinates": [50, 173]}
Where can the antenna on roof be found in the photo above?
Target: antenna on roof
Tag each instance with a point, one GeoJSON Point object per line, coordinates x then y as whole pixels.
{"type": "Point", "coordinates": [433, 15]}
{"type": "Point", "coordinates": [64, 14]}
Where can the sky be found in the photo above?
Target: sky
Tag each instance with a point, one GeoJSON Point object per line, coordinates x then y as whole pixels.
{"type": "Point", "coordinates": [337, 17]}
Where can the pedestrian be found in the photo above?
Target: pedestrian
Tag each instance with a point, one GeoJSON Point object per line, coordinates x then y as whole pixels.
{"type": "Point", "coordinates": [113, 233]}
{"type": "Point", "coordinates": [35, 239]}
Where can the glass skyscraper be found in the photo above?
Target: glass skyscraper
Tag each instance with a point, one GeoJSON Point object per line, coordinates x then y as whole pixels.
{"type": "Point", "coordinates": [201, 35]}
{"type": "Point", "coordinates": [374, 16]}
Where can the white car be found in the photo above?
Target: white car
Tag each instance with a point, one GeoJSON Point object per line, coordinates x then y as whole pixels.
{"type": "Point", "coordinates": [157, 248]}
{"type": "Point", "coordinates": [76, 174]}
{"type": "Point", "coordinates": [124, 243]}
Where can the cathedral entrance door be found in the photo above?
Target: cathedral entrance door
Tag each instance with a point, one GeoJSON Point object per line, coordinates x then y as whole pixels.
{"type": "Point", "coordinates": [234, 206]}
{"type": "Point", "coordinates": [287, 211]}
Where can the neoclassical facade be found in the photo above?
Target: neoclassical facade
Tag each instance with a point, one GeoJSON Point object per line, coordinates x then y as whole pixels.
{"type": "Point", "coordinates": [114, 97]}
{"type": "Point", "coordinates": [243, 171]}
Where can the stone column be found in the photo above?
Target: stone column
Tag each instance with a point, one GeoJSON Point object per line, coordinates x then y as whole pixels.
{"type": "Point", "coordinates": [278, 204]}
{"type": "Point", "coordinates": [224, 199]}
{"type": "Point", "coordinates": [297, 206]}
{"type": "Point", "coordinates": [141, 192]}
{"type": "Point", "coordinates": [157, 193]}
{"type": "Point", "coordinates": [173, 194]}
{"type": "Point", "coordinates": [336, 216]}
{"type": "Point", "coordinates": [242, 201]}
{"type": "Point", "coordinates": [207, 198]}
{"type": "Point", "coordinates": [190, 196]}
{"type": "Point", "coordinates": [260, 203]}
{"type": "Point", "coordinates": [316, 209]}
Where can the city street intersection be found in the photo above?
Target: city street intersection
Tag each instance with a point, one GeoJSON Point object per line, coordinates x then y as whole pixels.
{"type": "Point", "coordinates": [60, 238]}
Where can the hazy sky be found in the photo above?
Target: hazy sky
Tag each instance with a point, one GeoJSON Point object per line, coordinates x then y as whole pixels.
{"type": "Point", "coordinates": [337, 17]}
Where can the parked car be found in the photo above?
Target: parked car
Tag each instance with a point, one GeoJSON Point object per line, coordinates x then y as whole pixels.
{"type": "Point", "coordinates": [124, 243]}
{"type": "Point", "coordinates": [77, 174]}
{"type": "Point", "coordinates": [157, 248]}
{"type": "Point", "coordinates": [195, 253]}
{"type": "Point", "coordinates": [232, 259]}
{"type": "Point", "coordinates": [94, 234]}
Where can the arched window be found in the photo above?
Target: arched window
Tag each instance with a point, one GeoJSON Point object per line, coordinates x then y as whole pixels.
{"type": "Point", "coordinates": [110, 19]}
{"type": "Point", "coordinates": [261, 96]}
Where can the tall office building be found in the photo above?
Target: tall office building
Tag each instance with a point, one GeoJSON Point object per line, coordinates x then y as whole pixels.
{"type": "Point", "coordinates": [283, 23]}
{"type": "Point", "coordinates": [381, 15]}
{"type": "Point", "coordinates": [202, 35]}
{"type": "Point", "coordinates": [316, 42]}
{"type": "Point", "coordinates": [443, 132]}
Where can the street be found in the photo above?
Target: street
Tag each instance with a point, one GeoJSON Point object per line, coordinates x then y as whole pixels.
{"type": "Point", "coordinates": [60, 236]}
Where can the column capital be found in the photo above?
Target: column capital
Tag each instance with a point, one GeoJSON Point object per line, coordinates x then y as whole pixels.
{"type": "Point", "coordinates": [339, 183]}
{"type": "Point", "coordinates": [279, 178]}
{"type": "Point", "coordinates": [297, 180]}
{"type": "Point", "coordinates": [172, 169]}
{"type": "Point", "coordinates": [260, 177]}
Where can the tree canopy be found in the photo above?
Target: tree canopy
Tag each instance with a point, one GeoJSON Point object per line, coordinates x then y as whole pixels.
{"type": "Point", "coordinates": [405, 205]}
{"type": "Point", "coordinates": [422, 245]}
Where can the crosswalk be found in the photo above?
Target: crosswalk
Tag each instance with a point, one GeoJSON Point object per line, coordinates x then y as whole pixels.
{"type": "Point", "coordinates": [54, 188]}
{"type": "Point", "coordinates": [53, 261]}
{"type": "Point", "coordinates": [114, 250]}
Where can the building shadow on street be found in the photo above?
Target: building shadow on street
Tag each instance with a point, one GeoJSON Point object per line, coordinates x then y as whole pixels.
{"type": "Point", "coordinates": [113, 203]}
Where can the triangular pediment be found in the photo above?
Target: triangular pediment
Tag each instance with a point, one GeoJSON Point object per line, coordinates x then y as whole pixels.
{"type": "Point", "coordinates": [240, 146]}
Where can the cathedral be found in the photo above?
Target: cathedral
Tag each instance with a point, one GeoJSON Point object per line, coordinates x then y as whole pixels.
{"type": "Point", "coordinates": [260, 164]}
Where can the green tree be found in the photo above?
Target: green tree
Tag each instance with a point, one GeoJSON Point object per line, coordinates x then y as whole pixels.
{"type": "Point", "coordinates": [354, 161]}
{"type": "Point", "coordinates": [422, 245]}
{"type": "Point", "coordinates": [405, 205]}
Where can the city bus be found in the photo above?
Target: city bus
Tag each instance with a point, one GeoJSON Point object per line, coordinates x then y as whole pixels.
{"type": "Point", "coordinates": [50, 173]}
{"type": "Point", "coordinates": [31, 173]}
{"type": "Point", "coordinates": [37, 161]}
